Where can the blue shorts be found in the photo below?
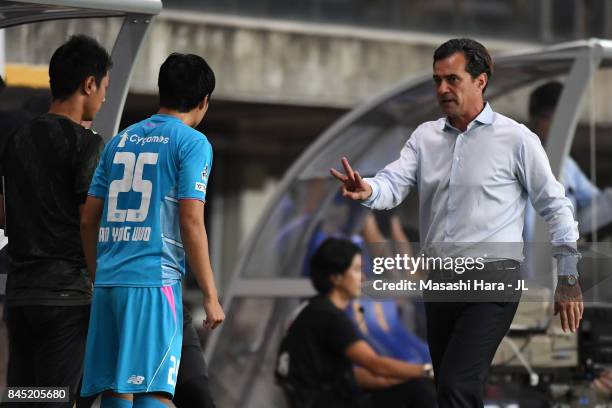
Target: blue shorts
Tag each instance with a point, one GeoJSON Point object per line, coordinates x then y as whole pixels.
{"type": "Point", "coordinates": [134, 340]}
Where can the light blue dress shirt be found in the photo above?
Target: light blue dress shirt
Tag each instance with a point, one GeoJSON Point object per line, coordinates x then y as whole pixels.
{"type": "Point", "coordinates": [473, 188]}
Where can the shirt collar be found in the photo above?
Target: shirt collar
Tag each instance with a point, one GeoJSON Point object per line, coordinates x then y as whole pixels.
{"type": "Point", "coordinates": [485, 117]}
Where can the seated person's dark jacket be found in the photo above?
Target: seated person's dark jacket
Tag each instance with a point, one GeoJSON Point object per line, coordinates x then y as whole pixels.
{"type": "Point", "coordinates": [312, 365]}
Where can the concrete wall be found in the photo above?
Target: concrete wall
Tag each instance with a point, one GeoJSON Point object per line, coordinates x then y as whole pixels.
{"type": "Point", "coordinates": [256, 60]}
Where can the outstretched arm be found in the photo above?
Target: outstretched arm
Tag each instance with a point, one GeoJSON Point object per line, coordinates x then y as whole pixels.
{"type": "Point", "coordinates": [390, 185]}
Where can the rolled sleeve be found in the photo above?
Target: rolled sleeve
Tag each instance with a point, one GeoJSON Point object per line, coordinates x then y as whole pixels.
{"type": "Point", "coordinates": [567, 264]}
{"type": "Point", "coordinates": [369, 202]}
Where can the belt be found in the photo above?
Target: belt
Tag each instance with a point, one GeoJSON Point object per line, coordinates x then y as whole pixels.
{"type": "Point", "coordinates": [502, 265]}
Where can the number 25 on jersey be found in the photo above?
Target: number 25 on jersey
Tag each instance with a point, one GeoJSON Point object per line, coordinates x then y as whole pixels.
{"type": "Point", "coordinates": [131, 181]}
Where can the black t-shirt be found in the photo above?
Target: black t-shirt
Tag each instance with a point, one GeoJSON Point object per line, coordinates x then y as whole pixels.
{"type": "Point", "coordinates": [48, 165]}
{"type": "Point", "coordinates": [312, 355]}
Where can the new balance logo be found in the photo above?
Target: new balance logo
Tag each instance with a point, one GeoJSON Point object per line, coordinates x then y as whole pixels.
{"type": "Point", "coordinates": [135, 379]}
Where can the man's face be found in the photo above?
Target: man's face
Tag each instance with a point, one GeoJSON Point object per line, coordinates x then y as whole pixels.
{"type": "Point", "coordinates": [201, 111]}
{"type": "Point", "coordinates": [95, 99]}
{"type": "Point", "coordinates": [458, 93]}
{"type": "Point", "coordinates": [542, 125]}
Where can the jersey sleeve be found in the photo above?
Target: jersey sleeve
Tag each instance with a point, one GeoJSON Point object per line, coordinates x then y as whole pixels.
{"type": "Point", "coordinates": [99, 183]}
{"type": "Point", "coordinates": [195, 163]}
{"type": "Point", "coordinates": [341, 332]}
{"type": "Point", "coordinates": [85, 164]}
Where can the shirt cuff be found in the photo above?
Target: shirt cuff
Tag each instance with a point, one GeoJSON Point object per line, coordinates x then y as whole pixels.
{"type": "Point", "coordinates": [369, 202]}
{"type": "Point", "coordinates": [567, 260]}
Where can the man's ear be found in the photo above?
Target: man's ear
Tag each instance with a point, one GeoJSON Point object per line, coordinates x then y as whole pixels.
{"type": "Point", "coordinates": [204, 103]}
{"type": "Point", "coordinates": [89, 85]}
{"type": "Point", "coordinates": [482, 80]}
{"type": "Point", "coordinates": [335, 279]}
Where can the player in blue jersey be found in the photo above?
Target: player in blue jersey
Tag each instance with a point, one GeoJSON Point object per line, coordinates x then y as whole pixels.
{"type": "Point", "coordinates": [143, 216]}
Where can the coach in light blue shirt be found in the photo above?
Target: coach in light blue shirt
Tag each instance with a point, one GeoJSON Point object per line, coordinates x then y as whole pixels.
{"type": "Point", "coordinates": [474, 169]}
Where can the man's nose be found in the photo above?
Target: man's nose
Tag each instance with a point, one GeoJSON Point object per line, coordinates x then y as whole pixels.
{"type": "Point", "coordinates": [442, 87]}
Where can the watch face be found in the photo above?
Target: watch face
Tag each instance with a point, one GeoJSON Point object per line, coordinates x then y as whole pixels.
{"type": "Point", "coordinates": [571, 280]}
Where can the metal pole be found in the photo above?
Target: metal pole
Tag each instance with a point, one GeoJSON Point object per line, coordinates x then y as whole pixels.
{"type": "Point", "coordinates": [563, 129]}
{"type": "Point", "coordinates": [124, 54]}
{"type": "Point", "coordinates": [2, 54]}
{"type": "Point", "coordinates": [545, 20]}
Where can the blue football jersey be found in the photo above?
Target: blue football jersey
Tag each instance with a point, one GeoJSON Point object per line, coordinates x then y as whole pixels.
{"type": "Point", "coordinates": [143, 173]}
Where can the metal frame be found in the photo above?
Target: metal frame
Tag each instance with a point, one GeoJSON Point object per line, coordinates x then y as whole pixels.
{"type": "Point", "coordinates": [563, 128]}
{"type": "Point", "coordinates": [127, 45]}
{"type": "Point", "coordinates": [60, 9]}
{"type": "Point", "coordinates": [137, 16]}
{"type": "Point", "coordinates": [587, 56]}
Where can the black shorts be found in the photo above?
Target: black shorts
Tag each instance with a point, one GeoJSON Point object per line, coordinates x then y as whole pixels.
{"type": "Point", "coordinates": [192, 360]}
{"type": "Point", "coordinates": [46, 347]}
{"type": "Point", "coordinates": [192, 384]}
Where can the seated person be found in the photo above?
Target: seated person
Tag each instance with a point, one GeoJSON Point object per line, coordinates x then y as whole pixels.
{"type": "Point", "coordinates": [323, 362]}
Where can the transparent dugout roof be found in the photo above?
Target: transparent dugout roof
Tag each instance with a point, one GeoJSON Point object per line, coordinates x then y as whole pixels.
{"type": "Point", "coordinates": [21, 12]}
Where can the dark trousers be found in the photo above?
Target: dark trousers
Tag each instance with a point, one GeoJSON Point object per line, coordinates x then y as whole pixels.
{"type": "Point", "coordinates": [192, 384]}
{"type": "Point", "coordinates": [418, 393]}
{"type": "Point", "coordinates": [463, 338]}
{"type": "Point", "coordinates": [46, 347]}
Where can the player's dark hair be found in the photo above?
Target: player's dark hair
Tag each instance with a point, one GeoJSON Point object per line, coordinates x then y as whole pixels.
{"type": "Point", "coordinates": [333, 257]}
{"type": "Point", "coordinates": [73, 62]}
{"type": "Point", "coordinates": [478, 59]}
{"type": "Point", "coordinates": [543, 99]}
{"type": "Point", "coordinates": [184, 81]}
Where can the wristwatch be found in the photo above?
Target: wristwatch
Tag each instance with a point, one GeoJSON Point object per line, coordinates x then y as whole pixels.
{"type": "Point", "coordinates": [570, 280]}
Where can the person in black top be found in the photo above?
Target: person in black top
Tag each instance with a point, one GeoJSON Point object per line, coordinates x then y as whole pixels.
{"type": "Point", "coordinates": [47, 166]}
{"type": "Point", "coordinates": [323, 361]}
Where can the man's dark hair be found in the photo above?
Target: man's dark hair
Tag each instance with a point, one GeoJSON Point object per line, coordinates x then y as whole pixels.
{"type": "Point", "coordinates": [79, 58]}
{"type": "Point", "coordinates": [543, 100]}
{"type": "Point", "coordinates": [333, 257]}
{"type": "Point", "coordinates": [184, 81]}
{"type": "Point", "coordinates": [478, 59]}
